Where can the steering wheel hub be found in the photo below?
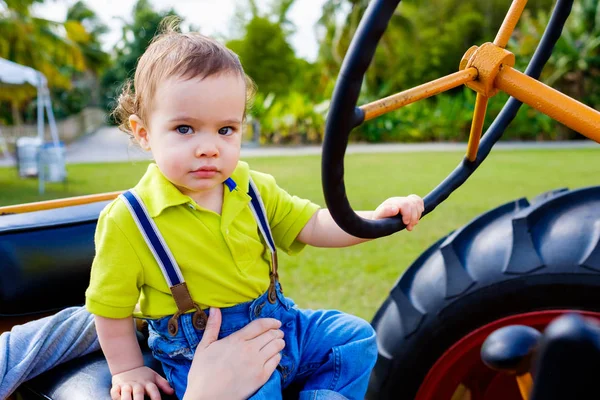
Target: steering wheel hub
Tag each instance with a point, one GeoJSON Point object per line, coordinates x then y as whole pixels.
{"type": "Point", "coordinates": [488, 59]}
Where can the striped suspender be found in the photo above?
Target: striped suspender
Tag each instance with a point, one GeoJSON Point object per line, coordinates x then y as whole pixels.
{"type": "Point", "coordinates": [168, 265]}
{"type": "Point", "coordinates": [260, 214]}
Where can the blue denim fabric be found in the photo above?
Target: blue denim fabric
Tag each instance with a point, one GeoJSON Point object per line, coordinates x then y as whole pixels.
{"type": "Point", "coordinates": [35, 347]}
{"type": "Point", "coordinates": [329, 354]}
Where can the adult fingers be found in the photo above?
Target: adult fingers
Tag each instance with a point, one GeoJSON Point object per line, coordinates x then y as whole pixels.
{"type": "Point", "coordinates": [255, 328]}
{"type": "Point", "coordinates": [152, 391]}
{"type": "Point", "coordinates": [271, 364]}
{"type": "Point", "coordinates": [272, 348]}
{"type": "Point", "coordinates": [211, 332]}
{"type": "Point", "coordinates": [261, 341]}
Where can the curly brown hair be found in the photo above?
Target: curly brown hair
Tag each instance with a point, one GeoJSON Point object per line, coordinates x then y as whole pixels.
{"type": "Point", "coordinates": [172, 53]}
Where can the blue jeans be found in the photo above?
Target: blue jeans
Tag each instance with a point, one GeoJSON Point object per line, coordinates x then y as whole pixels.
{"type": "Point", "coordinates": [35, 347]}
{"type": "Point", "coordinates": [329, 354]}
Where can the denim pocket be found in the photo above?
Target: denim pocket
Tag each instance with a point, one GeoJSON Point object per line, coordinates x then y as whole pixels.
{"type": "Point", "coordinates": [169, 348]}
{"type": "Point", "coordinates": [176, 372]}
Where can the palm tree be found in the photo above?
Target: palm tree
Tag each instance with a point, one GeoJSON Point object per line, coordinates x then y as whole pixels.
{"type": "Point", "coordinates": [37, 43]}
{"type": "Point", "coordinates": [84, 28]}
{"type": "Point", "coordinates": [65, 52]}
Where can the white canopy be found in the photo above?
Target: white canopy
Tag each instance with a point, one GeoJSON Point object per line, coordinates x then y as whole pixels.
{"type": "Point", "coordinates": [16, 74]}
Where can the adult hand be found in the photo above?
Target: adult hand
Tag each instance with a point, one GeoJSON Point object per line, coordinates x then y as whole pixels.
{"type": "Point", "coordinates": [238, 365]}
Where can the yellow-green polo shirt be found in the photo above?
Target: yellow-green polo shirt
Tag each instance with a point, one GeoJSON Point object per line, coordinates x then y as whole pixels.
{"type": "Point", "coordinates": [222, 257]}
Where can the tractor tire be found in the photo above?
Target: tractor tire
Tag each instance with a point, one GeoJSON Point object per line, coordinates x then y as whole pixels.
{"type": "Point", "coordinates": [518, 258]}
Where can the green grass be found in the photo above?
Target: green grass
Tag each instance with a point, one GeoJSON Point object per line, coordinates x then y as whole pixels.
{"type": "Point", "coordinates": [358, 279]}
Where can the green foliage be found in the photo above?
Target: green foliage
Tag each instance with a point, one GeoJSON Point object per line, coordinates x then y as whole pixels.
{"type": "Point", "coordinates": [421, 43]}
{"type": "Point", "coordinates": [37, 43]}
{"type": "Point", "coordinates": [574, 67]}
{"type": "Point", "coordinates": [447, 117]}
{"type": "Point", "coordinates": [266, 55]}
{"type": "Point", "coordinates": [291, 118]}
{"type": "Point", "coordinates": [424, 42]}
{"type": "Point", "coordinates": [285, 107]}
{"type": "Point", "coordinates": [85, 29]}
{"type": "Point", "coordinates": [136, 37]}
{"type": "Point", "coordinates": [65, 52]}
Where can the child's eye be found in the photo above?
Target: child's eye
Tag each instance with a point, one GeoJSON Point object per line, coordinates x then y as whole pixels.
{"type": "Point", "coordinates": [226, 131]}
{"type": "Point", "coordinates": [184, 129]}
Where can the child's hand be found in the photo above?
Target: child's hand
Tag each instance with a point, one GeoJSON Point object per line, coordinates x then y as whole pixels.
{"type": "Point", "coordinates": [135, 383]}
{"type": "Point", "coordinates": [410, 207]}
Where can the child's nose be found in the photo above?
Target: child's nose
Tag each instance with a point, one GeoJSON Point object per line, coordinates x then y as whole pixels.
{"type": "Point", "coordinates": [207, 148]}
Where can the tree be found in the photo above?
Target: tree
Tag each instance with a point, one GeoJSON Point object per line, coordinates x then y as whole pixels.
{"type": "Point", "coordinates": [37, 43]}
{"type": "Point", "coordinates": [422, 41]}
{"type": "Point", "coordinates": [574, 66]}
{"type": "Point", "coordinates": [263, 48]}
{"type": "Point", "coordinates": [266, 55]}
{"type": "Point", "coordinates": [135, 38]}
{"type": "Point", "coordinates": [84, 28]}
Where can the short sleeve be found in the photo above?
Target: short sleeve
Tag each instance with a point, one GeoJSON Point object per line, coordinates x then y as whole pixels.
{"type": "Point", "coordinates": [287, 214]}
{"type": "Point", "coordinates": [116, 275]}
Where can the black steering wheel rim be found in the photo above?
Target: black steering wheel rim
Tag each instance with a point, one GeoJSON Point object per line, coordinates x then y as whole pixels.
{"type": "Point", "coordinates": [344, 116]}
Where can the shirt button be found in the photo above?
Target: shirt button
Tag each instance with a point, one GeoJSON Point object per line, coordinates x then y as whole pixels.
{"type": "Point", "coordinates": [191, 206]}
{"type": "Point", "coordinates": [227, 231]}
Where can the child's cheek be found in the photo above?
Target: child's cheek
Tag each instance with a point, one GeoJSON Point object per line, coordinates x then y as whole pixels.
{"type": "Point", "coordinates": [173, 164]}
{"type": "Point", "coordinates": [178, 167]}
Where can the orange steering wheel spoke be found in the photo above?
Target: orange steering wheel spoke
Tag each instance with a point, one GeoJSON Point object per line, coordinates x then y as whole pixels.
{"type": "Point", "coordinates": [509, 23]}
{"type": "Point", "coordinates": [398, 100]}
{"type": "Point", "coordinates": [481, 103]}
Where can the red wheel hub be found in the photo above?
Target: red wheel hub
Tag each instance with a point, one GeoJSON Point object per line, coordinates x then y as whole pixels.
{"type": "Point", "coordinates": [462, 365]}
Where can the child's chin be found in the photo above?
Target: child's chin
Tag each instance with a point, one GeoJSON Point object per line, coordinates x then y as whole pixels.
{"type": "Point", "coordinates": [197, 186]}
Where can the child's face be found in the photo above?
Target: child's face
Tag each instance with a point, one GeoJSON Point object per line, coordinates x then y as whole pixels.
{"type": "Point", "coordinates": [194, 130]}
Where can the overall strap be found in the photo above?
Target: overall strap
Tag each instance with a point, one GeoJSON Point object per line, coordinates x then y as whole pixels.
{"type": "Point", "coordinates": [166, 262]}
{"type": "Point", "coordinates": [257, 208]}
{"type": "Point", "coordinates": [168, 265]}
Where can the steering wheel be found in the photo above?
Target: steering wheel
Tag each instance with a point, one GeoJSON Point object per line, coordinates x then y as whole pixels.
{"type": "Point", "coordinates": [486, 69]}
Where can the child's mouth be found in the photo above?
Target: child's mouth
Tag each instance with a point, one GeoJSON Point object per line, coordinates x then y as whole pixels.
{"type": "Point", "coordinates": [205, 172]}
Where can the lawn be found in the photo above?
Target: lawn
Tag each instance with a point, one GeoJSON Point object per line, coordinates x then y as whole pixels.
{"type": "Point", "coordinates": [358, 279]}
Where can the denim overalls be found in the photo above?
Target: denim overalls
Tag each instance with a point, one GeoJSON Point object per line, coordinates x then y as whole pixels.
{"type": "Point", "coordinates": [328, 354]}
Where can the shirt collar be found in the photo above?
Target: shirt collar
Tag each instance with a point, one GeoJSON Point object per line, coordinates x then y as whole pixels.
{"type": "Point", "coordinates": [158, 193]}
{"type": "Point", "coordinates": [241, 176]}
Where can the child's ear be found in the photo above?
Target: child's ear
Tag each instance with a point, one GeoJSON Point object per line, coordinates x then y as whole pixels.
{"type": "Point", "coordinates": [139, 131]}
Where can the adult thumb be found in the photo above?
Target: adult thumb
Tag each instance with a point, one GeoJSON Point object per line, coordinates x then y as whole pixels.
{"type": "Point", "coordinates": [213, 325]}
